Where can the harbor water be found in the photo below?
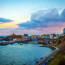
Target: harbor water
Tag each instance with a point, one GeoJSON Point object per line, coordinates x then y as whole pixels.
{"type": "Point", "coordinates": [26, 54]}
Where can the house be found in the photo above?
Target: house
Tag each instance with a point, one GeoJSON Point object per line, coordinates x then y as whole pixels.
{"type": "Point", "coordinates": [64, 31]}
{"type": "Point", "coordinates": [34, 38]}
{"type": "Point", "coordinates": [46, 36]}
{"type": "Point", "coordinates": [17, 39]}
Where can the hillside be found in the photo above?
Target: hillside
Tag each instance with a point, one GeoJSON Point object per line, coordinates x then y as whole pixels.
{"type": "Point", "coordinates": [59, 58]}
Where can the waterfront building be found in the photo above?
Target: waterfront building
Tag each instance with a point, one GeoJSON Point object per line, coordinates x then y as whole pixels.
{"type": "Point", "coordinates": [51, 36]}
{"type": "Point", "coordinates": [17, 39]}
{"type": "Point", "coordinates": [54, 36]}
{"type": "Point", "coordinates": [57, 36]}
{"type": "Point", "coordinates": [24, 38]}
{"type": "Point", "coordinates": [28, 37]}
{"type": "Point", "coordinates": [25, 34]}
{"type": "Point", "coordinates": [34, 38]}
{"type": "Point", "coordinates": [64, 31]}
{"type": "Point", "coordinates": [46, 36]}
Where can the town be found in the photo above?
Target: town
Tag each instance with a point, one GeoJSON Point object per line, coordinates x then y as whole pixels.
{"type": "Point", "coordinates": [42, 39]}
{"type": "Point", "coordinates": [54, 41]}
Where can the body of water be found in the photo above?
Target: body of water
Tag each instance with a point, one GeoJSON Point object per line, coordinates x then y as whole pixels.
{"type": "Point", "coordinates": [26, 54]}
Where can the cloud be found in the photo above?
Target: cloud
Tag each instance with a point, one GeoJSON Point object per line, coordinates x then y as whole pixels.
{"type": "Point", "coordinates": [31, 31]}
{"type": "Point", "coordinates": [8, 25]}
{"type": "Point", "coordinates": [44, 19]}
{"type": "Point", "coordinates": [4, 20]}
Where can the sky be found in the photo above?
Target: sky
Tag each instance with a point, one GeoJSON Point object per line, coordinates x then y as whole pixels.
{"type": "Point", "coordinates": [37, 16]}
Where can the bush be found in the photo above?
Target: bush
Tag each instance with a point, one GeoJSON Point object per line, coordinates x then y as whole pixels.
{"type": "Point", "coordinates": [62, 61]}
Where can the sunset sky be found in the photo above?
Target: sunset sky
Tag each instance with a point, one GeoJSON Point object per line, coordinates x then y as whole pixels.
{"type": "Point", "coordinates": [32, 16]}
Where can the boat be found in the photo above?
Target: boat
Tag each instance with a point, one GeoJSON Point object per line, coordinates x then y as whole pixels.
{"type": "Point", "coordinates": [3, 43]}
{"type": "Point", "coordinates": [21, 43]}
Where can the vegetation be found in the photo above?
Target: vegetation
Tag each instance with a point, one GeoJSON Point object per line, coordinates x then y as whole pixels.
{"type": "Point", "coordinates": [59, 58]}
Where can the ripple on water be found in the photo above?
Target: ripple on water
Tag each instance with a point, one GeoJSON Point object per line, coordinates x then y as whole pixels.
{"type": "Point", "coordinates": [22, 54]}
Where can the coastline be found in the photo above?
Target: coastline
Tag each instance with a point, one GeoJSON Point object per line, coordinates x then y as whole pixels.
{"type": "Point", "coordinates": [55, 49]}
{"type": "Point", "coordinates": [44, 60]}
{"type": "Point", "coordinates": [49, 46]}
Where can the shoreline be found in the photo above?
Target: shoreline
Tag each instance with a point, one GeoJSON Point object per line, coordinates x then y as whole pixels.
{"type": "Point", "coordinates": [55, 50]}
{"type": "Point", "coordinates": [49, 46]}
{"type": "Point", "coordinates": [44, 60]}
{"type": "Point", "coordinates": [30, 42]}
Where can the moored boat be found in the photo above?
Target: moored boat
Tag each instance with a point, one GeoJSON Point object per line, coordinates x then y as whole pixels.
{"type": "Point", "coordinates": [3, 43]}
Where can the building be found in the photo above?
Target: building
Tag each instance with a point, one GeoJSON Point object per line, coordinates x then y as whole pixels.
{"type": "Point", "coordinates": [46, 36]}
{"type": "Point", "coordinates": [64, 31]}
{"type": "Point", "coordinates": [34, 38]}
{"type": "Point", "coordinates": [17, 39]}
{"type": "Point", "coordinates": [25, 34]}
